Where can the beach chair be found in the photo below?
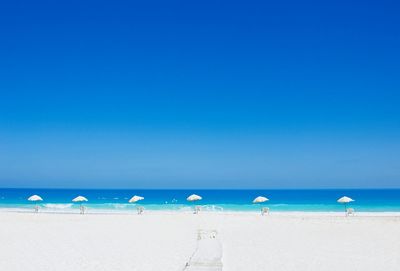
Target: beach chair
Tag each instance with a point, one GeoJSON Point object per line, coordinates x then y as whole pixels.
{"type": "Point", "coordinates": [197, 209]}
{"type": "Point", "coordinates": [82, 210]}
{"type": "Point", "coordinates": [140, 210]}
{"type": "Point", "coordinates": [264, 211]}
{"type": "Point", "coordinates": [350, 211]}
{"type": "Point", "coordinates": [208, 253]}
{"type": "Point", "coordinates": [36, 209]}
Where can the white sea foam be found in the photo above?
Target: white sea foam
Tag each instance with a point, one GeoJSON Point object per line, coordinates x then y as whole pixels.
{"type": "Point", "coordinates": [57, 206]}
{"type": "Point", "coordinates": [212, 208]}
{"type": "Point", "coordinates": [119, 205]}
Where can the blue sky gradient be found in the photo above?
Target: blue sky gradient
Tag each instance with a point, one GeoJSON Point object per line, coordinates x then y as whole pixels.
{"type": "Point", "coordinates": [207, 94]}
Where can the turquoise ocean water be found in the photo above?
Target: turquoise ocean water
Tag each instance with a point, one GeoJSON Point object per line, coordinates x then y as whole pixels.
{"type": "Point", "coordinates": [59, 200]}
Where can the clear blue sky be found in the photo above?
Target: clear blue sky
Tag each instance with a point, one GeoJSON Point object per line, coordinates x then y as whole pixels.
{"type": "Point", "coordinates": [211, 94]}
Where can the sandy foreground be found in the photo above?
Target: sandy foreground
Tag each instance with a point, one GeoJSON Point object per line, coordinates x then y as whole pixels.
{"type": "Point", "coordinates": [165, 241]}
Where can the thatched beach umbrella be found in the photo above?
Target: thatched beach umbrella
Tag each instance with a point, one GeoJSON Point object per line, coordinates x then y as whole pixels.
{"type": "Point", "coordinates": [192, 198]}
{"type": "Point", "coordinates": [260, 200]}
{"type": "Point", "coordinates": [345, 200]}
{"type": "Point", "coordinates": [35, 198]}
{"type": "Point", "coordinates": [135, 199]}
{"type": "Point", "coordinates": [80, 199]}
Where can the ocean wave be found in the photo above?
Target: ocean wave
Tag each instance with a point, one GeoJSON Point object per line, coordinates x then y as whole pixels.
{"type": "Point", "coordinates": [115, 205]}
{"type": "Point", "coordinates": [119, 205]}
{"type": "Point", "coordinates": [206, 208]}
{"type": "Point", "coordinates": [212, 208]}
{"type": "Point", "coordinates": [58, 205]}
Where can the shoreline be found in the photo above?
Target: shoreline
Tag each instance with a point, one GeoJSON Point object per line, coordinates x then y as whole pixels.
{"type": "Point", "coordinates": [190, 212]}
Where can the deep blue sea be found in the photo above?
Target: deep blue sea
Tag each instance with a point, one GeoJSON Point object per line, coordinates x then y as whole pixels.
{"type": "Point", "coordinates": [59, 200]}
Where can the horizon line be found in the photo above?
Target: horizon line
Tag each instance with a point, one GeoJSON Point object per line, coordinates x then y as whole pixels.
{"type": "Point", "coordinates": [232, 189]}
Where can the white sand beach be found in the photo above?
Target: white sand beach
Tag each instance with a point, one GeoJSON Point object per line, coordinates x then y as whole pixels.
{"type": "Point", "coordinates": [165, 241]}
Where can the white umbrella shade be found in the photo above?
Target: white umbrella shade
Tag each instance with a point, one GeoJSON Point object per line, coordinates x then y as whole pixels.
{"type": "Point", "coordinates": [35, 198]}
{"type": "Point", "coordinates": [345, 200]}
{"type": "Point", "coordinates": [80, 199]}
{"type": "Point", "coordinates": [193, 197]}
{"type": "Point", "coordinates": [260, 199]}
{"type": "Point", "coordinates": [136, 199]}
